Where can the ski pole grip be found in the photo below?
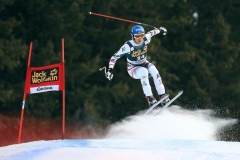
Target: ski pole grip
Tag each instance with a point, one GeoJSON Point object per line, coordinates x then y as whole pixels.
{"type": "Point", "coordinates": [100, 69]}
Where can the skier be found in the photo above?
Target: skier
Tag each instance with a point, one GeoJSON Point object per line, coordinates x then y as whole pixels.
{"type": "Point", "coordinates": [138, 66]}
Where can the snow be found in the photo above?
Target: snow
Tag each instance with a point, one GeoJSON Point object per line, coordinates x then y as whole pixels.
{"type": "Point", "coordinates": [175, 134]}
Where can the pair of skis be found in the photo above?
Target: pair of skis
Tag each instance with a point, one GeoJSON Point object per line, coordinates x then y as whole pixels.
{"type": "Point", "coordinates": [166, 105]}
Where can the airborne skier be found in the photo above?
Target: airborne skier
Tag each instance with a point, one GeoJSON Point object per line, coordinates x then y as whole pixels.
{"type": "Point", "coordinates": [138, 66]}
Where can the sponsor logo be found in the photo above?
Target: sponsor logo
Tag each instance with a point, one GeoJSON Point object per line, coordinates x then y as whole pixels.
{"type": "Point", "coordinates": [47, 75]}
{"type": "Point", "coordinates": [144, 83]}
{"type": "Point", "coordinates": [160, 81]}
{"type": "Point", "coordinates": [139, 30]}
{"type": "Point", "coordinates": [139, 52]}
{"type": "Point", "coordinates": [112, 60]}
{"type": "Point", "coordinates": [44, 88]}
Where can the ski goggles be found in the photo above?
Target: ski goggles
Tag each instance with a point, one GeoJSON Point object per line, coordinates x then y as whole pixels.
{"type": "Point", "coordinates": [137, 36]}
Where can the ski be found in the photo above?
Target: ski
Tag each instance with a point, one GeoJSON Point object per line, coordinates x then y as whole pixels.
{"type": "Point", "coordinates": [156, 104]}
{"type": "Point", "coordinates": [166, 105]}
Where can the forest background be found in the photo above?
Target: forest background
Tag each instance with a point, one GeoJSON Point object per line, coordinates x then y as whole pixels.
{"type": "Point", "coordinates": [199, 54]}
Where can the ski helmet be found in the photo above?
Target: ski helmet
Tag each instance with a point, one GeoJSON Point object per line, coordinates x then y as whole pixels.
{"type": "Point", "coordinates": [137, 29]}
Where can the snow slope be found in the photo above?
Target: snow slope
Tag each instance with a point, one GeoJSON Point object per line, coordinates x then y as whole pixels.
{"type": "Point", "coordinates": [176, 134]}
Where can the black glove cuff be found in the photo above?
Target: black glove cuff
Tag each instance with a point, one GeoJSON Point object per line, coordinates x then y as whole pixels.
{"type": "Point", "coordinates": [110, 70]}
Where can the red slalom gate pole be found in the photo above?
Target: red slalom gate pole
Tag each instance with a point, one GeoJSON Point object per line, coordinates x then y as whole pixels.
{"type": "Point", "coordinates": [121, 19]}
{"type": "Point", "coordinates": [24, 95]}
{"type": "Point", "coordinates": [63, 93]}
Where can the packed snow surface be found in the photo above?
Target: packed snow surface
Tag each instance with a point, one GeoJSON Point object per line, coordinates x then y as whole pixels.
{"type": "Point", "coordinates": [175, 134]}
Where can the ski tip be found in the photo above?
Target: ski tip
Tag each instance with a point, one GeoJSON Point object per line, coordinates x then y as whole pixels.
{"type": "Point", "coordinates": [90, 12]}
{"type": "Point", "coordinates": [180, 91]}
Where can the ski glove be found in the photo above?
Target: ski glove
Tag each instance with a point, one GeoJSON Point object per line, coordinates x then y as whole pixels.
{"type": "Point", "coordinates": [109, 74]}
{"type": "Point", "coordinates": [163, 30]}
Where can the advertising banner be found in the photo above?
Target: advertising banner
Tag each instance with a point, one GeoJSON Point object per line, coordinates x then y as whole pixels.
{"type": "Point", "coordinates": [44, 79]}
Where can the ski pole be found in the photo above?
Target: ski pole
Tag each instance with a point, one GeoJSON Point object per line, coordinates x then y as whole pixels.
{"type": "Point", "coordinates": [121, 19]}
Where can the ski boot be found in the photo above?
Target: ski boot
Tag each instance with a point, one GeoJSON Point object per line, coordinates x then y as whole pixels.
{"type": "Point", "coordinates": [164, 101]}
{"type": "Point", "coordinates": [151, 100]}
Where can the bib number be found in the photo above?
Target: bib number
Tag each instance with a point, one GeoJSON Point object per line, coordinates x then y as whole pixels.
{"type": "Point", "coordinates": [140, 57]}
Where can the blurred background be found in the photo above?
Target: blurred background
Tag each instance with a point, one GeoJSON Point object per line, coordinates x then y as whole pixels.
{"type": "Point", "coordinates": [200, 55]}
